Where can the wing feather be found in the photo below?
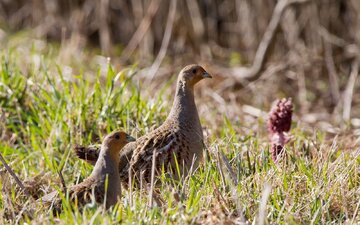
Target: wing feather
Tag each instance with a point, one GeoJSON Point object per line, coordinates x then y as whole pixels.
{"type": "Point", "coordinates": [164, 145]}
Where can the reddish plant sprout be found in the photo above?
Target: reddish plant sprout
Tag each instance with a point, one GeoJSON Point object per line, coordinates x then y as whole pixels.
{"type": "Point", "coordinates": [279, 124]}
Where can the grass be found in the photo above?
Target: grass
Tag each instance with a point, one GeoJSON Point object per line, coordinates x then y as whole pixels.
{"type": "Point", "coordinates": [47, 107]}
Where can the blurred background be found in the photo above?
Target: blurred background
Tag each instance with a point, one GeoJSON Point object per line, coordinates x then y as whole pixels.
{"type": "Point", "coordinates": [257, 50]}
{"type": "Point", "coordinates": [73, 70]}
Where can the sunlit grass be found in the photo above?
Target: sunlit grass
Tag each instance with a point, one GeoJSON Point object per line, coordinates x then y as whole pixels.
{"type": "Point", "coordinates": [46, 110]}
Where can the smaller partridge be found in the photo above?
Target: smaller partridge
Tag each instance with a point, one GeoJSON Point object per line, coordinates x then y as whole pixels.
{"type": "Point", "coordinates": [106, 170]}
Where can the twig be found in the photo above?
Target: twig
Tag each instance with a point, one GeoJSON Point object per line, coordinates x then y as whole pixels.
{"type": "Point", "coordinates": [17, 160]}
{"type": "Point", "coordinates": [268, 37]}
{"type": "Point", "coordinates": [189, 174]}
{"type": "Point", "coordinates": [228, 167]}
{"type": "Point", "coordinates": [142, 29]}
{"type": "Point", "coordinates": [235, 197]}
{"type": "Point", "coordinates": [105, 37]}
{"type": "Point", "coordinates": [330, 65]}
{"type": "Point", "coordinates": [220, 198]}
{"type": "Point", "coordinates": [17, 180]}
{"type": "Point", "coordinates": [348, 93]}
{"type": "Point", "coordinates": [197, 23]}
{"type": "Point", "coordinates": [166, 39]}
{"type": "Point", "coordinates": [331, 38]}
{"type": "Point", "coordinates": [220, 168]}
{"type": "Point", "coordinates": [252, 73]}
{"type": "Point", "coordinates": [301, 82]}
{"type": "Point", "coordinates": [62, 181]}
{"type": "Point", "coordinates": [253, 111]}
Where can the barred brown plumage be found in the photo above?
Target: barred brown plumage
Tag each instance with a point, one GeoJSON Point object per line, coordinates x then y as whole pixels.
{"type": "Point", "coordinates": [179, 138]}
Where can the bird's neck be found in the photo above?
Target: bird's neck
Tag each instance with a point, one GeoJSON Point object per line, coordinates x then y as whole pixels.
{"type": "Point", "coordinates": [107, 170]}
{"type": "Point", "coordinates": [184, 108]}
{"type": "Point", "coordinates": [107, 164]}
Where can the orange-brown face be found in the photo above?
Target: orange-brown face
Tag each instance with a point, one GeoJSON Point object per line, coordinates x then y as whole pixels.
{"type": "Point", "coordinates": [116, 140]}
{"type": "Point", "coordinates": [192, 74]}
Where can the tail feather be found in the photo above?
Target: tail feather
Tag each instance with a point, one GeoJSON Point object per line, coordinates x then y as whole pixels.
{"type": "Point", "coordinates": [88, 153]}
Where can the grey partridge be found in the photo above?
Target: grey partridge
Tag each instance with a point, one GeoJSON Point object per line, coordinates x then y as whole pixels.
{"type": "Point", "coordinates": [179, 138]}
{"type": "Point", "coordinates": [105, 170]}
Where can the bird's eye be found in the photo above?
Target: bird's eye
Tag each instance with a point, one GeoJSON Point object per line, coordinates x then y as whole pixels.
{"type": "Point", "coordinates": [117, 136]}
{"type": "Point", "coordinates": [194, 71]}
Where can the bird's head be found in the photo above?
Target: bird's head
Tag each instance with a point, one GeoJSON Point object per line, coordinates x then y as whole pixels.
{"type": "Point", "coordinates": [192, 74]}
{"type": "Point", "coordinates": [116, 140]}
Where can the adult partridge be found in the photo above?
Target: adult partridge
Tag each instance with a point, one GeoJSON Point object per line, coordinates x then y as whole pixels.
{"type": "Point", "coordinates": [106, 170]}
{"type": "Point", "coordinates": [179, 138]}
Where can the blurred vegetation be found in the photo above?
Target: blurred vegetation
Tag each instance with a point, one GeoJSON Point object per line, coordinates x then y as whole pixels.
{"type": "Point", "coordinates": [59, 88]}
{"type": "Point", "coordinates": [314, 53]}
{"type": "Point", "coordinates": [232, 24]}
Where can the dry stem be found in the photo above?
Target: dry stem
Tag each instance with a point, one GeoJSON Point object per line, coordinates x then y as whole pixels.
{"type": "Point", "coordinates": [12, 173]}
{"type": "Point", "coordinates": [252, 73]}
{"type": "Point", "coordinates": [141, 30]}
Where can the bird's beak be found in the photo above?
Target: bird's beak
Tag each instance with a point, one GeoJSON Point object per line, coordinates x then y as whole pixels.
{"type": "Point", "coordinates": [130, 138]}
{"type": "Point", "coordinates": [206, 75]}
